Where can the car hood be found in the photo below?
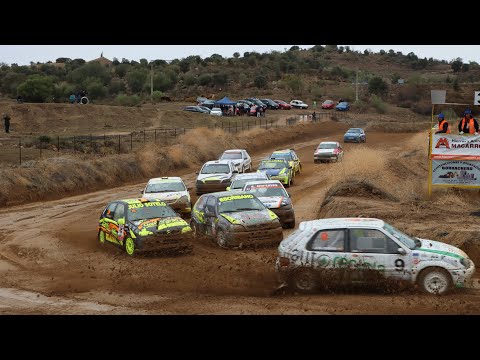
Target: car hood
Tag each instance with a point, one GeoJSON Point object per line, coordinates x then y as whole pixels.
{"type": "Point", "coordinates": [272, 202]}
{"type": "Point", "coordinates": [161, 225]}
{"type": "Point", "coordinates": [324, 151]}
{"type": "Point", "coordinates": [270, 172]}
{"type": "Point", "coordinates": [248, 218]}
{"type": "Point", "coordinates": [165, 196]}
{"type": "Point", "coordinates": [437, 247]}
{"type": "Point", "coordinates": [221, 177]}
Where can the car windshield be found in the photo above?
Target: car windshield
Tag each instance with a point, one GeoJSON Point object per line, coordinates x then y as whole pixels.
{"type": "Point", "coordinates": [404, 238]}
{"type": "Point", "coordinates": [357, 131]}
{"type": "Point", "coordinates": [165, 186]}
{"type": "Point", "coordinates": [328, 102]}
{"type": "Point", "coordinates": [266, 190]}
{"type": "Point", "coordinates": [271, 165]}
{"type": "Point", "coordinates": [286, 156]}
{"type": "Point", "coordinates": [238, 184]}
{"type": "Point", "coordinates": [327, 146]}
{"type": "Point", "coordinates": [343, 104]}
{"type": "Point", "coordinates": [237, 205]}
{"type": "Point", "coordinates": [216, 169]}
{"type": "Point", "coordinates": [280, 101]}
{"type": "Point", "coordinates": [231, 155]}
{"type": "Point", "coordinates": [145, 211]}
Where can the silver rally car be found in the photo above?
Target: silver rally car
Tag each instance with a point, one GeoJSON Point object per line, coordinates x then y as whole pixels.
{"type": "Point", "coordinates": [171, 190]}
{"type": "Point", "coordinates": [215, 176]}
{"type": "Point", "coordinates": [274, 196]}
{"type": "Point", "coordinates": [355, 250]}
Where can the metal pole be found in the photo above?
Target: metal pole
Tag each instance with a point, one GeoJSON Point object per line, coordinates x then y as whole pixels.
{"type": "Point", "coordinates": [20, 147]}
{"type": "Point", "coordinates": [151, 83]}
{"type": "Point", "coordinates": [356, 88]}
{"type": "Point", "coordinates": [184, 131]}
{"type": "Point", "coordinates": [131, 141]}
{"type": "Point", "coordinates": [155, 136]}
{"type": "Point", "coordinates": [144, 136]}
{"type": "Point", "coordinates": [119, 144]}
{"type": "Point", "coordinates": [58, 143]}
{"type": "Point", "coordinates": [74, 144]}
{"type": "Point", "coordinates": [91, 143]}
{"type": "Point", "coordinates": [40, 151]}
{"type": "Point", "coordinates": [175, 132]}
{"type": "Point", "coordinates": [430, 167]}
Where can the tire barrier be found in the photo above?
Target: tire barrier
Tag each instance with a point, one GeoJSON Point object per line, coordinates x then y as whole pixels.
{"type": "Point", "coordinates": [84, 100]}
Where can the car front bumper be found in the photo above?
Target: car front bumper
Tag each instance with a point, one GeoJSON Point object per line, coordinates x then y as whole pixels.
{"type": "Point", "coordinates": [325, 157]}
{"type": "Point", "coordinates": [159, 242]}
{"type": "Point", "coordinates": [282, 179]}
{"type": "Point", "coordinates": [285, 216]}
{"type": "Point", "coordinates": [254, 237]}
{"type": "Point", "coordinates": [461, 277]}
{"type": "Point", "coordinates": [210, 187]}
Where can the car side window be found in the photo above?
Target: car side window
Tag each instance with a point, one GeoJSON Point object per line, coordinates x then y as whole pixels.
{"type": "Point", "coordinates": [201, 203]}
{"type": "Point", "coordinates": [328, 240]}
{"type": "Point", "coordinates": [110, 211]}
{"type": "Point", "coordinates": [119, 212]}
{"type": "Point", "coordinates": [371, 241]}
{"type": "Point", "coordinates": [211, 203]}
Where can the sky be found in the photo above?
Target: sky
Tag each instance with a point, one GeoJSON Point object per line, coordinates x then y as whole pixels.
{"type": "Point", "coordinates": [24, 54]}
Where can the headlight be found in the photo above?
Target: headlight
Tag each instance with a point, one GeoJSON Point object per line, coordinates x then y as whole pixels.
{"type": "Point", "coordinates": [285, 204]}
{"type": "Point", "coordinates": [199, 182]}
{"type": "Point", "coordinates": [184, 198]}
{"type": "Point", "coordinates": [465, 262]}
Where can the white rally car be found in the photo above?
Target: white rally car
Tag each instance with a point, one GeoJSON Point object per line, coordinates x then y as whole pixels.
{"type": "Point", "coordinates": [239, 157]}
{"type": "Point", "coordinates": [365, 250]}
{"type": "Point", "coordinates": [172, 190]}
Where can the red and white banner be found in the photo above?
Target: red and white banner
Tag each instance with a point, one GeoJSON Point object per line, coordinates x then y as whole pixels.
{"type": "Point", "coordinates": [459, 173]}
{"type": "Point", "coordinates": [455, 147]}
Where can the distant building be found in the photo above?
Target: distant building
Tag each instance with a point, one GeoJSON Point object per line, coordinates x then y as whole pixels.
{"type": "Point", "coordinates": [102, 60]}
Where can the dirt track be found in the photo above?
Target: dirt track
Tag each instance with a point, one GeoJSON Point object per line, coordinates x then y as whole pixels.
{"type": "Point", "coordinates": [51, 263]}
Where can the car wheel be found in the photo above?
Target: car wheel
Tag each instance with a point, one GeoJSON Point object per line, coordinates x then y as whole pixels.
{"type": "Point", "coordinates": [129, 246]}
{"type": "Point", "coordinates": [101, 237]}
{"type": "Point", "coordinates": [221, 239]}
{"type": "Point", "coordinates": [435, 281]}
{"type": "Point", "coordinates": [291, 225]}
{"type": "Point", "coordinates": [303, 281]}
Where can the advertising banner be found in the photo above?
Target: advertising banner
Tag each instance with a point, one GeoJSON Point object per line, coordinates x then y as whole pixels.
{"type": "Point", "coordinates": [456, 172]}
{"type": "Point", "coordinates": [458, 147]}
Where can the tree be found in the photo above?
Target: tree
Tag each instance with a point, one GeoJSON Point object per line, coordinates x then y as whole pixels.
{"type": "Point", "coordinates": [136, 79]}
{"type": "Point", "coordinates": [236, 55]}
{"type": "Point", "coordinates": [95, 88]}
{"type": "Point", "coordinates": [465, 67]}
{"type": "Point", "coordinates": [456, 87]}
{"type": "Point", "coordinates": [144, 62]}
{"type": "Point", "coordinates": [382, 52]}
{"type": "Point", "coordinates": [377, 86]}
{"type": "Point", "coordinates": [295, 83]}
{"type": "Point", "coordinates": [63, 60]}
{"type": "Point", "coordinates": [37, 88]}
{"type": "Point", "coordinates": [294, 48]}
{"type": "Point", "coordinates": [260, 82]}
{"type": "Point", "coordinates": [457, 65]}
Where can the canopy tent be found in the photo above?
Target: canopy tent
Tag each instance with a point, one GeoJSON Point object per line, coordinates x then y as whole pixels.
{"type": "Point", "coordinates": [225, 102]}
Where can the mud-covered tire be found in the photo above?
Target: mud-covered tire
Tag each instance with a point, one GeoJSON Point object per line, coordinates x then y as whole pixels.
{"type": "Point", "coordinates": [129, 246]}
{"type": "Point", "coordinates": [303, 281]}
{"type": "Point", "coordinates": [435, 280]}
{"type": "Point", "coordinates": [101, 238]}
{"type": "Point", "coordinates": [221, 239]}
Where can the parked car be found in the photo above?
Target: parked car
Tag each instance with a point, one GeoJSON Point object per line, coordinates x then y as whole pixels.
{"type": "Point", "coordinates": [239, 157]}
{"type": "Point", "coordinates": [343, 106]}
{"type": "Point", "coordinates": [239, 180]}
{"type": "Point", "coordinates": [171, 190]}
{"type": "Point", "coordinates": [140, 225]}
{"type": "Point", "coordinates": [274, 196]}
{"type": "Point", "coordinates": [328, 151]}
{"type": "Point", "coordinates": [272, 105]}
{"type": "Point", "coordinates": [352, 250]}
{"type": "Point", "coordinates": [283, 105]}
{"type": "Point", "coordinates": [235, 219]}
{"type": "Point", "coordinates": [208, 103]}
{"type": "Point", "coordinates": [206, 109]}
{"type": "Point", "coordinates": [355, 135]}
{"type": "Point", "coordinates": [298, 104]}
{"type": "Point", "coordinates": [215, 176]}
{"type": "Point", "coordinates": [196, 109]}
{"type": "Point", "coordinates": [328, 104]}
{"type": "Point", "coordinates": [216, 112]}
{"type": "Point", "coordinates": [257, 102]}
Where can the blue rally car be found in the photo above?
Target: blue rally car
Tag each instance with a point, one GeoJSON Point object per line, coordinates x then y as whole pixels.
{"type": "Point", "coordinates": [277, 169]}
{"type": "Point", "coordinates": [342, 106]}
{"type": "Point", "coordinates": [355, 135]}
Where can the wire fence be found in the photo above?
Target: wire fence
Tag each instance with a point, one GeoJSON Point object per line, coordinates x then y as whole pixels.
{"type": "Point", "coordinates": [22, 150]}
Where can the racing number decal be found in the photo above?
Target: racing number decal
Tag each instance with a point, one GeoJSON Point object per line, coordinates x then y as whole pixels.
{"type": "Point", "coordinates": [399, 264]}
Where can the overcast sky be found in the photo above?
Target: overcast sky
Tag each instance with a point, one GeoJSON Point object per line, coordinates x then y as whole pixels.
{"type": "Point", "coordinates": [24, 54]}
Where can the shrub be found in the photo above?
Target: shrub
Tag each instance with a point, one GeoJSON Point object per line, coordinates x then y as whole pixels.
{"type": "Point", "coordinates": [204, 79]}
{"type": "Point", "coordinates": [361, 106]}
{"type": "Point", "coordinates": [157, 96]}
{"type": "Point", "coordinates": [116, 86]}
{"type": "Point", "coordinates": [378, 104]}
{"type": "Point", "coordinates": [316, 91]}
{"type": "Point", "coordinates": [95, 88]}
{"type": "Point", "coordinates": [423, 108]}
{"type": "Point", "coordinates": [126, 100]}
{"type": "Point", "coordinates": [295, 84]}
{"type": "Point", "coordinates": [136, 79]}
{"type": "Point", "coordinates": [377, 86]}
{"type": "Point", "coordinates": [36, 88]}
{"type": "Point", "coordinates": [189, 80]}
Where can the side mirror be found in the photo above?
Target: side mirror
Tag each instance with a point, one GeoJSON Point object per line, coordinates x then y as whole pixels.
{"type": "Point", "coordinates": [228, 188]}
{"type": "Point", "coordinates": [121, 221]}
{"type": "Point", "coordinates": [401, 251]}
{"type": "Point", "coordinates": [289, 195]}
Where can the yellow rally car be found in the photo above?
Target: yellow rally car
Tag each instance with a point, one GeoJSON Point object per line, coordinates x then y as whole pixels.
{"type": "Point", "coordinates": [291, 157]}
{"type": "Point", "coordinates": [140, 225]}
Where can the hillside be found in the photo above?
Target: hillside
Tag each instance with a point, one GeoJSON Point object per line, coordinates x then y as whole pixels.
{"type": "Point", "coordinates": [315, 74]}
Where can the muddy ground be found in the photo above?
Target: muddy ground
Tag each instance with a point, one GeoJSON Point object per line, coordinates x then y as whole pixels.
{"type": "Point", "coordinates": [51, 262]}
